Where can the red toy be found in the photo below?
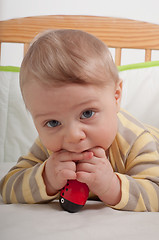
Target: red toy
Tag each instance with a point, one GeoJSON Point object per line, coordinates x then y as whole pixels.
{"type": "Point", "coordinates": [74, 196]}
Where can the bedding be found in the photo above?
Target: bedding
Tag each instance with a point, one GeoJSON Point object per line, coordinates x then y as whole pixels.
{"type": "Point", "coordinates": [141, 91]}
{"type": "Point", "coordinates": [17, 129]}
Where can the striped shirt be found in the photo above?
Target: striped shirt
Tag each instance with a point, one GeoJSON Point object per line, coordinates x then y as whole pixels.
{"type": "Point", "coordinates": [134, 156]}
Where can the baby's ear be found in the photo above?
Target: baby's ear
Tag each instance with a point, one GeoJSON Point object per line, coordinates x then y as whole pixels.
{"type": "Point", "coordinates": [118, 93]}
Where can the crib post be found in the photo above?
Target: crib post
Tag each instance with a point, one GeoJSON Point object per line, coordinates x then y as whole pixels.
{"type": "Point", "coordinates": [118, 56]}
{"type": "Point", "coordinates": [26, 46]}
{"type": "Point", "coordinates": [147, 55]}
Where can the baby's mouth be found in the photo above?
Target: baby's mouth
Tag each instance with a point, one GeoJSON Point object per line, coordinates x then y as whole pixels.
{"type": "Point", "coordinates": [77, 151]}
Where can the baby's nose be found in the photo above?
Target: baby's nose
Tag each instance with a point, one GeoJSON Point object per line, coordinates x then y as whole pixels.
{"type": "Point", "coordinates": [74, 134]}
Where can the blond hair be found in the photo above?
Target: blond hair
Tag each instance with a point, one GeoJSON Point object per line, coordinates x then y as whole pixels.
{"type": "Point", "coordinates": [68, 56]}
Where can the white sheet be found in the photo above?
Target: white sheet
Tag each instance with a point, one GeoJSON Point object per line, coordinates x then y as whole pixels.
{"type": "Point", "coordinates": [17, 131]}
{"type": "Point", "coordinates": [95, 222]}
{"type": "Point", "coordinates": [141, 94]}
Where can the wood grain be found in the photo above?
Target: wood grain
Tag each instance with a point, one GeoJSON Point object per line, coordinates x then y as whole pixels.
{"type": "Point", "coordinates": [115, 32]}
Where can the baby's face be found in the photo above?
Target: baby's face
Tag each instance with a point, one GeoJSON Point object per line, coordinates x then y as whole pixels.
{"type": "Point", "coordinates": [74, 117]}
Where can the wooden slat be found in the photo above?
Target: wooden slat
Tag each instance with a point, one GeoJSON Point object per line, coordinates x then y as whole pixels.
{"type": "Point", "coordinates": [118, 56]}
{"type": "Point", "coordinates": [26, 46]}
{"type": "Point", "coordinates": [147, 55]}
{"type": "Point", "coordinates": [120, 33]}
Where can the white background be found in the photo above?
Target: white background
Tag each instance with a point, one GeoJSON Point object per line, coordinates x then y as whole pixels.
{"type": "Point", "coordinates": [145, 10]}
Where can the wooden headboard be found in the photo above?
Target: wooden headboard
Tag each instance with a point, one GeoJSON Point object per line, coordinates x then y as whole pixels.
{"type": "Point", "coordinates": [115, 32]}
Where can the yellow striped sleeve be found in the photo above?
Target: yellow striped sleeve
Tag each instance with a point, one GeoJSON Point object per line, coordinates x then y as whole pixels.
{"type": "Point", "coordinates": [139, 157]}
{"type": "Point", "coordinates": [24, 182]}
{"type": "Point", "coordinates": [152, 196]}
{"type": "Point", "coordinates": [124, 192]}
{"type": "Point", "coordinates": [26, 190]}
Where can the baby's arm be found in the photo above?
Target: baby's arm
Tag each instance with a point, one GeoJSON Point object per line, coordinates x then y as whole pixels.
{"type": "Point", "coordinates": [24, 182]}
{"type": "Point", "coordinates": [136, 187]}
{"type": "Point", "coordinates": [140, 182]}
{"type": "Point", "coordinates": [39, 177]}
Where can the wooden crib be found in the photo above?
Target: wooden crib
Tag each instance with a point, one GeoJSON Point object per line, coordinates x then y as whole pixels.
{"type": "Point", "coordinates": [115, 32]}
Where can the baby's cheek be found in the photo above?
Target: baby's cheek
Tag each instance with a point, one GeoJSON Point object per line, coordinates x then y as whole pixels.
{"type": "Point", "coordinates": [106, 137]}
{"type": "Point", "coordinates": [50, 144]}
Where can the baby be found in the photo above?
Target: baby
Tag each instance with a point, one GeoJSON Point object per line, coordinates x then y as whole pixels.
{"type": "Point", "coordinates": [72, 89]}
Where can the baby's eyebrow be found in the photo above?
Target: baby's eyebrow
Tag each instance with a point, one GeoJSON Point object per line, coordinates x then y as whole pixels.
{"type": "Point", "coordinates": [86, 102]}
{"type": "Point", "coordinates": [90, 101]}
{"type": "Point", "coordinates": [38, 115]}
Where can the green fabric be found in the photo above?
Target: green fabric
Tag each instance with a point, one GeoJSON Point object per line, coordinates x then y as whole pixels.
{"type": "Point", "coordinates": [138, 65]}
{"type": "Point", "coordinates": [9, 69]}
{"type": "Point", "coordinates": [120, 68]}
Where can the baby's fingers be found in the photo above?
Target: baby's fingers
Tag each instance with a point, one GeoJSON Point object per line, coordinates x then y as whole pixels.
{"type": "Point", "coordinates": [67, 174]}
{"type": "Point", "coordinates": [71, 156]}
{"type": "Point", "coordinates": [85, 177]}
{"type": "Point", "coordinates": [98, 152]}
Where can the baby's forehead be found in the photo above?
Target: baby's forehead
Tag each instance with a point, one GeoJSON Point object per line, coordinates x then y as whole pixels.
{"type": "Point", "coordinates": [40, 98]}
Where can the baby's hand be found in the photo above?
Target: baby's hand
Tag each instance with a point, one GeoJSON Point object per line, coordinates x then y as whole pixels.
{"type": "Point", "coordinates": [60, 167]}
{"type": "Point", "coordinates": [98, 174]}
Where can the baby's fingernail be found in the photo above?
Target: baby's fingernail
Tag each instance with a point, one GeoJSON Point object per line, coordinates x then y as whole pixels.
{"type": "Point", "coordinates": [88, 155]}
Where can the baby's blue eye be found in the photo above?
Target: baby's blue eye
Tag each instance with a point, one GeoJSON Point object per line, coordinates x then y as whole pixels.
{"type": "Point", "coordinates": [87, 114]}
{"type": "Point", "coordinates": [53, 123]}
